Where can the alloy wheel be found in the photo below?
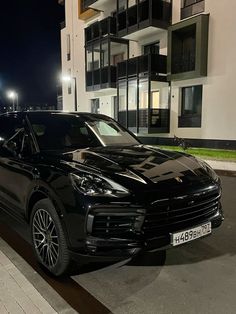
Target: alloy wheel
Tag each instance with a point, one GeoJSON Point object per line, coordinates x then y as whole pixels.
{"type": "Point", "coordinates": [45, 238]}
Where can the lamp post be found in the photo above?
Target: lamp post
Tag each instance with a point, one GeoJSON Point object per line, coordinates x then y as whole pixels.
{"type": "Point", "coordinates": [15, 99]}
{"type": "Point", "coordinates": [68, 79]}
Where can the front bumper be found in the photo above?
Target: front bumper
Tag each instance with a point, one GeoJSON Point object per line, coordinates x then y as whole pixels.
{"type": "Point", "coordinates": [115, 249]}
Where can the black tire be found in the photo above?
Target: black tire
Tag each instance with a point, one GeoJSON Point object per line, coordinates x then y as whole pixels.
{"type": "Point", "coordinates": [48, 238]}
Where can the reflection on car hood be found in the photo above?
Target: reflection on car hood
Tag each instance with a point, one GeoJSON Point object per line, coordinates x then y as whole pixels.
{"type": "Point", "coordinates": [141, 163]}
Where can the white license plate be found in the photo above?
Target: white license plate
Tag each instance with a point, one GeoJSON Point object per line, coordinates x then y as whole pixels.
{"type": "Point", "coordinates": [190, 234]}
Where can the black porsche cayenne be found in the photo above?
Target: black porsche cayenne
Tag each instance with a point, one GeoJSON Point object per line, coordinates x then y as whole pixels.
{"type": "Point", "coordinates": [88, 187]}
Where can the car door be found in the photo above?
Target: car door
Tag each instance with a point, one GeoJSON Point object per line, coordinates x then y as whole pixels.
{"type": "Point", "coordinates": [16, 164]}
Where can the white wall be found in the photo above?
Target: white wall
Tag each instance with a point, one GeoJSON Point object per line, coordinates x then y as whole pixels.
{"type": "Point", "coordinates": [219, 99]}
{"type": "Point", "coordinates": [106, 105]}
{"type": "Point", "coordinates": [176, 5]}
{"type": "Point", "coordinates": [218, 104]}
{"type": "Point", "coordinates": [160, 36]}
{"type": "Point", "coordinates": [75, 28]}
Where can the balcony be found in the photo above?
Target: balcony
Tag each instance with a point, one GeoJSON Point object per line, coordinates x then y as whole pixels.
{"type": "Point", "coordinates": [143, 100]}
{"type": "Point", "coordinates": [100, 29]}
{"type": "Point", "coordinates": [102, 56]}
{"type": "Point", "coordinates": [188, 48]}
{"type": "Point", "coordinates": [145, 14]}
{"type": "Point", "coordinates": [101, 78]}
{"type": "Point", "coordinates": [152, 65]}
{"type": "Point", "coordinates": [159, 120]}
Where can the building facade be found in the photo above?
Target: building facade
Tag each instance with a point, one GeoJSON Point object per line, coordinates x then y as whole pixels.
{"type": "Point", "coordinates": [162, 68]}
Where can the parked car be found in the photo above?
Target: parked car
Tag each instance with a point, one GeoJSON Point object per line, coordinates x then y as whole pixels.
{"type": "Point", "coordinates": [88, 188]}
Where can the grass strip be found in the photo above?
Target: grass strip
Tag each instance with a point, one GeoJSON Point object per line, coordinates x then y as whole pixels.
{"type": "Point", "coordinates": [205, 153]}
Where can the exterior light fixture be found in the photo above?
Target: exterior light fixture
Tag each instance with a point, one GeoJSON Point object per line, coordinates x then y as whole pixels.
{"type": "Point", "coordinates": [68, 79]}
{"type": "Point", "coordinates": [14, 97]}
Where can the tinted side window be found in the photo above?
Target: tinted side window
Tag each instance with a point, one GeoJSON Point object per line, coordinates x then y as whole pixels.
{"type": "Point", "coordinates": [9, 126]}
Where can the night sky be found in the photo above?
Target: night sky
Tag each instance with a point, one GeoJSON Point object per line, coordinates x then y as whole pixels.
{"type": "Point", "coordinates": [30, 49]}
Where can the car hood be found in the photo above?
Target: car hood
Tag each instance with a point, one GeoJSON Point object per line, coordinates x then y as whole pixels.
{"type": "Point", "coordinates": [140, 164]}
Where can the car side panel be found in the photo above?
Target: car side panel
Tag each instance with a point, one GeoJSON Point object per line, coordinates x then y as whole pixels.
{"type": "Point", "coordinates": [16, 178]}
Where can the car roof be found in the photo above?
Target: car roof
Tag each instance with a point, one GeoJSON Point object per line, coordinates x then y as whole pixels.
{"type": "Point", "coordinates": [84, 115]}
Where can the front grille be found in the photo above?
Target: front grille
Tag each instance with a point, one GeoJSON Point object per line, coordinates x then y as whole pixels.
{"type": "Point", "coordinates": [116, 225]}
{"type": "Point", "coordinates": [168, 215]}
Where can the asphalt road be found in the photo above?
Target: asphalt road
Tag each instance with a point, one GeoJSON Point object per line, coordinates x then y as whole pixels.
{"type": "Point", "coordinates": [196, 278]}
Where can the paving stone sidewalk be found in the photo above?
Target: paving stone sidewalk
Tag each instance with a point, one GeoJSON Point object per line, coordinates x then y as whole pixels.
{"type": "Point", "coordinates": [17, 294]}
{"type": "Point", "coordinates": [222, 165]}
{"type": "Point", "coordinates": [23, 290]}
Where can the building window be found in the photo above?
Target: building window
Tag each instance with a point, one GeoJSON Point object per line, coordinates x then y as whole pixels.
{"type": "Point", "coordinates": [117, 58]}
{"type": "Point", "coordinates": [192, 7]}
{"type": "Point", "coordinates": [122, 5]}
{"type": "Point", "coordinates": [187, 3]}
{"type": "Point", "coordinates": [143, 104]}
{"type": "Point", "coordinates": [184, 43]}
{"type": "Point", "coordinates": [68, 47]}
{"type": "Point", "coordinates": [191, 107]}
{"type": "Point", "coordinates": [132, 104]}
{"type": "Point", "coordinates": [122, 98]}
{"type": "Point", "coordinates": [69, 88]}
{"type": "Point", "coordinates": [153, 48]}
{"type": "Point", "coordinates": [115, 107]}
{"type": "Point", "coordinates": [98, 54]}
{"type": "Point", "coordinates": [119, 52]}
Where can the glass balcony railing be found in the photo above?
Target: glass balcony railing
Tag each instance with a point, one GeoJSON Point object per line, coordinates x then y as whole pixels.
{"type": "Point", "coordinates": [102, 57]}
{"type": "Point", "coordinates": [156, 13]}
{"type": "Point", "coordinates": [100, 29]}
{"type": "Point", "coordinates": [153, 65]}
{"type": "Point", "coordinates": [101, 78]}
{"type": "Point", "coordinates": [150, 120]}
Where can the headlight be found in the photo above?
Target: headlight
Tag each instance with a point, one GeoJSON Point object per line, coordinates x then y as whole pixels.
{"type": "Point", "coordinates": [209, 170]}
{"type": "Point", "coordinates": [94, 185]}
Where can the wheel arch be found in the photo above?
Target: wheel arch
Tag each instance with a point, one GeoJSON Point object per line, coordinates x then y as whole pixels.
{"type": "Point", "coordinates": [39, 193]}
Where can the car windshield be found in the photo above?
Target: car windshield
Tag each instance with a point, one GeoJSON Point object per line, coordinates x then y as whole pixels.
{"type": "Point", "coordinates": [60, 131]}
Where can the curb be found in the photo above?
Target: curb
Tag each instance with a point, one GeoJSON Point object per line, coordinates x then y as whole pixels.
{"type": "Point", "coordinates": [226, 173]}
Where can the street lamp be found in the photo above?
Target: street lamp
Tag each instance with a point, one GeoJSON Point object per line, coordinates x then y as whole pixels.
{"type": "Point", "coordinates": [68, 79]}
{"type": "Point", "coordinates": [14, 97]}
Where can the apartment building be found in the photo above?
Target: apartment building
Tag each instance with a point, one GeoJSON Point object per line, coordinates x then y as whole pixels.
{"type": "Point", "coordinates": [162, 68]}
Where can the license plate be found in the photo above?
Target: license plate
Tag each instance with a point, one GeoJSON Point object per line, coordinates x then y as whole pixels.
{"type": "Point", "coordinates": [185, 236]}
